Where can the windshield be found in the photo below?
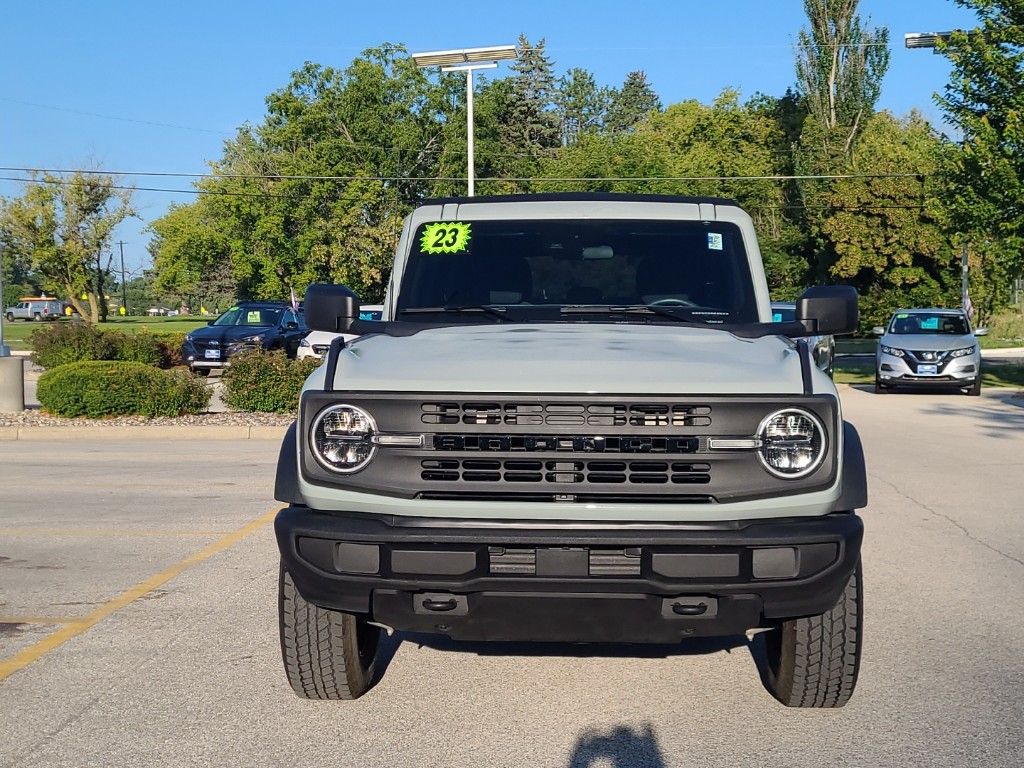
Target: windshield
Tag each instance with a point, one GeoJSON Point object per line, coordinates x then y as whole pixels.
{"type": "Point", "coordinates": [928, 323]}
{"type": "Point", "coordinates": [258, 316]}
{"type": "Point", "coordinates": [697, 267]}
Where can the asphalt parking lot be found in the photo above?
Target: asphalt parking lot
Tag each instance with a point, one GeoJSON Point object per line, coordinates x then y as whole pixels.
{"type": "Point", "coordinates": [138, 627]}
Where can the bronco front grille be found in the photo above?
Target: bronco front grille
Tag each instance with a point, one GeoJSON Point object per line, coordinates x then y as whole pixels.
{"type": "Point", "coordinates": [566, 443]}
{"type": "Point", "coordinates": [568, 472]}
{"type": "Point", "coordinates": [567, 414]}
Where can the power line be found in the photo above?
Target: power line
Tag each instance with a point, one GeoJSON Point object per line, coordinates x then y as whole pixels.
{"type": "Point", "coordinates": [120, 118]}
{"type": "Point", "coordinates": [271, 195]}
{"type": "Point", "coordinates": [577, 179]}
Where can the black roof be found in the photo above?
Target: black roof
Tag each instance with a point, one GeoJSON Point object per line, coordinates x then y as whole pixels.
{"type": "Point", "coordinates": [614, 197]}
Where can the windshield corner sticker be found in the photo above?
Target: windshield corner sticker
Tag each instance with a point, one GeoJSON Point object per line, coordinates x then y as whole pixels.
{"type": "Point", "coordinates": [445, 237]}
{"type": "Point", "coordinates": [714, 241]}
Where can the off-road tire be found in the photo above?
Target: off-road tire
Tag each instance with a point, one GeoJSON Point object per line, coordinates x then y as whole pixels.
{"type": "Point", "coordinates": [813, 661]}
{"type": "Point", "coordinates": [327, 654]}
{"type": "Point", "coordinates": [975, 389]}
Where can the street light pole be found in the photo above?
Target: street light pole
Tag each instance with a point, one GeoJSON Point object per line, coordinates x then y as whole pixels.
{"type": "Point", "coordinates": [467, 60]}
{"type": "Point", "coordinates": [470, 165]}
{"type": "Point", "coordinates": [124, 290]}
{"type": "Point", "coordinates": [932, 40]}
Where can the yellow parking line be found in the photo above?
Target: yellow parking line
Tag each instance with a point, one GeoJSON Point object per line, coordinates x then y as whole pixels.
{"type": "Point", "coordinates": [119, 532]}
{"type": "Point", "coordinates": [25, 657]}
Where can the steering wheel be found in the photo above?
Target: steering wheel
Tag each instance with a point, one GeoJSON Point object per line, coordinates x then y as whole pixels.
{"type": "Point", "coordinates": [672, 302]}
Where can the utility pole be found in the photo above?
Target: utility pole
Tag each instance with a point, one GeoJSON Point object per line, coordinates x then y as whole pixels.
{"type": "Point", "coordinates": [4, 349]}
{"type": "Point", "coordinates": [124, 290]}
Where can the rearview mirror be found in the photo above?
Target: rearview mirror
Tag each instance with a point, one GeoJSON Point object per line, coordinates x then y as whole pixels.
{"type": "Point", "coordinates": [331, 308]}
{"type": "Point", "coordinates": [828, 309]}
{"type": "Point", "coordinates": [981, 331]}
{"type": "Point", "coordinates": [878, 330]}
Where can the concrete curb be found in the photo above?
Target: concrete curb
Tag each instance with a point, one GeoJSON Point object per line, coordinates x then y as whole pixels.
{"type": "Point", "coordinates": [156, 432]}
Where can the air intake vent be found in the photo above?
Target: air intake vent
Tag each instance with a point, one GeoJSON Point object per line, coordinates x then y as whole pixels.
{"type": "Point", "coordinates": [515, 471]}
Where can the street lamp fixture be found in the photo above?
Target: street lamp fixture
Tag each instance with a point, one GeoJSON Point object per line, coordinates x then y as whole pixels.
{"type": "Point", "coordinates": [467, 60]}
{"type": "Point", "coordinates": [926, 39]}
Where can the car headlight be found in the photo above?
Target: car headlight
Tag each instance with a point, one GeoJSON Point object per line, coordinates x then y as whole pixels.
{"type": "Point", "coordinates": [343, 438]}
{"type": "Point", "coordinates": [963, 352]}
{"type": "Point", "coordinates": [793, 443]}
{"type": "Point", "coordinates": [252, 339]}
{"type": "Point", "coordinates": [305, 343]}
{"type": "Point", "coordinates": [188, 337]}
{"type": "Point", "coordinates": [892, 351]}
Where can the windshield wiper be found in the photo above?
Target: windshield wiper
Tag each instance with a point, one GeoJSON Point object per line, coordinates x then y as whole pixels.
{"type": "Point", "coordinates": [679, 314]}
{"type": "Point", "coordinates": [498, 313]}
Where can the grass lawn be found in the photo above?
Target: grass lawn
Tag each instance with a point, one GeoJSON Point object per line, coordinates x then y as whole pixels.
{"type": "Point", "coordinates": [16, 334]}
{"type": "Point", "coordinates": [863, 372]}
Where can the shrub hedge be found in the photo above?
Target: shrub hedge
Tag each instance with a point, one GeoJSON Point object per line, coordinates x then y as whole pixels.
{"type": "Point", "coordinates": [62, 343]}
{"type": "Point", "coordinates": [266, 381]}
{"type": "Point", "coordinates": [98, 388]}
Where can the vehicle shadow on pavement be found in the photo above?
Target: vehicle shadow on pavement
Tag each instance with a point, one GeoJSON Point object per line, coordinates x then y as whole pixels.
{"type": "Point", "coordinates": [619, 747]}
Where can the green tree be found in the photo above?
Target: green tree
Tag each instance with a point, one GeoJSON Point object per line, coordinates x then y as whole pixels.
{"type": "Point", "coordinates": [319, 189]}
{"type": "Point", "coordinates": [886, 231]}
{"type": "Point", "coordinates": [532, 127]}
{"type": "Point", "coordinates": [839, 69]}
{"type": "Point", "coordinates": [62, 227]}
{"type": "Point", "coordinates": [984, 189]}
{"type": "Point", "coordinates": [582, 105]}
{"type": "Point", "coordinates": [631, 103]}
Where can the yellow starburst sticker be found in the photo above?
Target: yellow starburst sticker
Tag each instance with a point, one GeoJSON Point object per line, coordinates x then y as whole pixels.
{"type": "Point", "coordinates": [445, 237]}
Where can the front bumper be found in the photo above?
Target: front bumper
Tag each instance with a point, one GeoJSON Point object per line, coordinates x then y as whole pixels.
{"type": "Point", "coordinates": [895, 371]}
{"type": "Point", "coordinates": [641, 583]}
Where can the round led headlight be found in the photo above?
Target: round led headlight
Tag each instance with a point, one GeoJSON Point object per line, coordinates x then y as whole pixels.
{"type": "Point", "coordinates": [793, 443]}
{"type": "Point", "coordinates": [343, 438]}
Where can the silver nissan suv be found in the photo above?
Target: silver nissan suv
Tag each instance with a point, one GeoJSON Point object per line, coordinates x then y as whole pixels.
{"type": "Point", "coordinates": [928, 348]}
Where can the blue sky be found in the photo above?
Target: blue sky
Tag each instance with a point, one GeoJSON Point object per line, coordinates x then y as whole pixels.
{"type": "Point", "coordinates": [158, 86]}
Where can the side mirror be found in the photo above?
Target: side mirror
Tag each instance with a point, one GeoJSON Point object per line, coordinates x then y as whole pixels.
{"type": "Point", "coordinates": [331, 308]}
{"type": "Point", "coordinates": [291, 325]}
{"type": "Point", "coordinates": [828, 309]}
{"type": "Point", "coordinates": [981, 331]}
{"type": "Point", "coordinates": [878, 330]}
{"type": "Point", "coordinates": [210, 322]}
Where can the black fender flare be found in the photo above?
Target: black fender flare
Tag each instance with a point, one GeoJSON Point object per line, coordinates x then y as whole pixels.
{"type": "Point", "coordinates": [286, 484]}
{"type": "Point", "coordinates": [854, 493]}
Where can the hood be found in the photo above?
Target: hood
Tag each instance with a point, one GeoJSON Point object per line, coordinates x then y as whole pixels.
{"type": "Point", "coordinates": [228, 333]}
{"type": "Point", "coordinates": [571, 358]}
{"type": "Point", "coordinates": [928, 342]}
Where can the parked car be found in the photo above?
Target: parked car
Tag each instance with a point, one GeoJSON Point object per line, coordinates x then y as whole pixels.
{"type": "Point", "coordinates": [36, 309]}
{"type": "Point", "coordinates": [574, 423]}
{"type": "Point", "coordinates": [249, 325]}
{"type": "Point", "coordinates": [928, 348]}
{"type": "Point", "coordinates": [823, 348]}
{"type": "Point", "coordinates": [317, 343]}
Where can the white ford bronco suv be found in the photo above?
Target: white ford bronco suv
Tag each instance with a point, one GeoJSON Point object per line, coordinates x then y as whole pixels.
{"type": "Point", "coordinates": [575, 422]}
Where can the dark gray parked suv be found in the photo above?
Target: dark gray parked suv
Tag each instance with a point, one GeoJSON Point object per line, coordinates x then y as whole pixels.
{"type": "Point", "coordinates": [249, 325]}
